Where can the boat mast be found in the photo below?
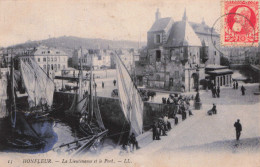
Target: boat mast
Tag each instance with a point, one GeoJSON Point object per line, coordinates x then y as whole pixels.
{"type": "Point", "coordinates": [13, 105]}
{"type": "Point", "coordinates": [90, 92]}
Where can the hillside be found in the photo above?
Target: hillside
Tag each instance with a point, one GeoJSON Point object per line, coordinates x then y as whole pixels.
{"type": "Point", "coordinates": [70, 42]}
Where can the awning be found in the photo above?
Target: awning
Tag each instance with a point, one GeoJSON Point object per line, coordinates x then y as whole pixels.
{"type": "Point", "coordinates": [220, 72]}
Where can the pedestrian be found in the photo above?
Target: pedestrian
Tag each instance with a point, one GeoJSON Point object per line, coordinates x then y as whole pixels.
{"type": "Point", "coordinates": [236, 85]}
{"type": "Point", "coordinates": [243, 90]}
{"type": "Point", "coordinates": [218, 91]}
{"type": "Point", "coordinates": [133, 141]}
{"type": "Point", "coordinates": [164, 100]}
{"type": "Point", "coordinates": [238, 127]}
{"type": "Point", "coordinates": [165, 119]}
{"type": "Point", "coordinates": [176, 120]}
{"type": "Point", "coordinates": [103, 84]}
{"type": "Point", "coordinates": [114, 82]}
{"type": "Point", "coordinates": [214, 91]}
{"type": "Point", "coordinates": [168, 101]}
{"type": "Point", "coordinates": [162, 127]}
{"type": "Point", "coordinates": [154, 127]}
{"type": "Point", "coordinates": [214, 109]}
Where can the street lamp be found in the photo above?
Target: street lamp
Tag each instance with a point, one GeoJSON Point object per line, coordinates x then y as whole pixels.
{"type": "Point", "coordinates": [197, 103]}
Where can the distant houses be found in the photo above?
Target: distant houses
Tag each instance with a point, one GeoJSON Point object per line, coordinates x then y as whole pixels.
{"type": "Point", "coordinates": [101, 58]}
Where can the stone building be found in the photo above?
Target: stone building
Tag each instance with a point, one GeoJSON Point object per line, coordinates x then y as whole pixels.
{"type": "Point", "coordinates": [174, 55]}
{"type": "Point", "coordinates": [50, 59]}
{"type": "Point", "coordinates": [97, 57]}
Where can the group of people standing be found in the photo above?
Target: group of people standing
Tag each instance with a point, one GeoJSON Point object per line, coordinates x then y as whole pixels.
{"type": "Point", "coordinates": [215, 91]}
{"type": "Point", "coordinates": [177, 104]}
{"type": "Point", "coordinates": [160, 127]}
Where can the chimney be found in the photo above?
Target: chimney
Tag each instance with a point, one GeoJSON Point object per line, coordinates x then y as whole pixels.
{"type": "Point", "coordinates": [157, 14]}
{"type": "Point", "coordinates": [184, 17]}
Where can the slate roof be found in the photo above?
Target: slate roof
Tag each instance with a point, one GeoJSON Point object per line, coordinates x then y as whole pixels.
{"type": "Point", "coordinates": [161, 24]}
{"type": "Point", "coordinates": [182, 35]}
{"type": "Point", "coordinates": [42, 50]}
{"type": "Point", "coordinates": [202, 28]}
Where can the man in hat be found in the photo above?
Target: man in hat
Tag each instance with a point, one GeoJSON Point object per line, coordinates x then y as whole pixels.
{"type": "Point", "coordinates": [238, 127]}
{"type": "Point", "coordinates": [133, 141]}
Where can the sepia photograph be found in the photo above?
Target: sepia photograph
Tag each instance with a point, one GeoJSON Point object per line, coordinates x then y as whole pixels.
{"type": "Point", "coordinates": [131, 83]}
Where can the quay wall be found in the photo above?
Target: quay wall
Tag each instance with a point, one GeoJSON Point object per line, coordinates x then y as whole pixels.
{"type": "Point", "coordinates": [111, 112]}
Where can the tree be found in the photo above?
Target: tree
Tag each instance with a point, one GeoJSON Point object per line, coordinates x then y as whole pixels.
{"type": "Point", "coordinates": [224, 61]}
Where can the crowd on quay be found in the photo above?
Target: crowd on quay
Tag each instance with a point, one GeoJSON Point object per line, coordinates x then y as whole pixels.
{"type": "Point", "coordinates": [177, 104]}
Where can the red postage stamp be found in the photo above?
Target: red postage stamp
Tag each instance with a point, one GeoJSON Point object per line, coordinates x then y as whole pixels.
{"type": "Point", "coordinates": [240, 23]}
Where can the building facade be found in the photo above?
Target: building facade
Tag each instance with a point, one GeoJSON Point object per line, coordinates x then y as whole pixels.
{"type": "Point", "coordinates": [49, 59]}
{"type": "Point", "coordinates": [98, 58]}
{"type": "Point", "coordinates": [173, 55]}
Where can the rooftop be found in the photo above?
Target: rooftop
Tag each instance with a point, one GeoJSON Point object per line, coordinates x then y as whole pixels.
{"type": "Point", "coordinates": [161, 24]}
{"type": "Point", "coordinates": [221, 71]}
{"type": "Point", "coordinates": [182, 35]}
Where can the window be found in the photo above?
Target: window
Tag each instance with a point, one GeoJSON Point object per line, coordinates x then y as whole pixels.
{"type": "Point", "coordinates": [158, 55]}
{"type": "Point", "coordinates": [44, 67]}
{"type": "Point", "coordinates": [158, 38]}
{"type": "Point", "coordinates": [215, 53]}
{"type": "Point", "coordinates": [55, 58]}
{"type": "Point", "coordinates": [48, 59]}
{"type": "Point", "coordinates": [48, 51]}
{"type": "Point", "coordinates": [58, 66]}
{"type": "Point", "coordinates": [39, 59]}
{"type": "Point", "coordinates": [51, 59]}
{"type": "Point", "coordinates": [44, 59]}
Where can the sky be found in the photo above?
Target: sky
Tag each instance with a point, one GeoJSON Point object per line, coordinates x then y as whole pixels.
{"type": "Point", "coordinates": [23, 20]}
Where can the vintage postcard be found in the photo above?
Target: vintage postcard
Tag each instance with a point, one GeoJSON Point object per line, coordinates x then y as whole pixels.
{"type": "Point", "coordinates": [135, 83]}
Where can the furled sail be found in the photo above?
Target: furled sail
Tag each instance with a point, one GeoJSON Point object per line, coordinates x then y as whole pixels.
{"type": "Point", "coordinates": [130, 100]}
{"type": "Point", "coordinates": [79, 103]}
{"type": "Point", "coordinates": [39, 86]}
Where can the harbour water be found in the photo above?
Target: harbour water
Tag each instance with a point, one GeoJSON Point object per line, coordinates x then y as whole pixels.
{"type": "Point", "coordinates": [63, 130]}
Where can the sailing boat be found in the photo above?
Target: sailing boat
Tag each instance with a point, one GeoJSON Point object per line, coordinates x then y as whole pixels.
{"type": "Point", "coordinates": [90, 121]}
{"type": "Point", "coordinates": [79, 103]}
{"type": "Point", "coordinates": [130, 99]}
{"type": "Point", "coordinates": [27, 119]}
{"type": "Point", "coordinates": [39, 86]}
